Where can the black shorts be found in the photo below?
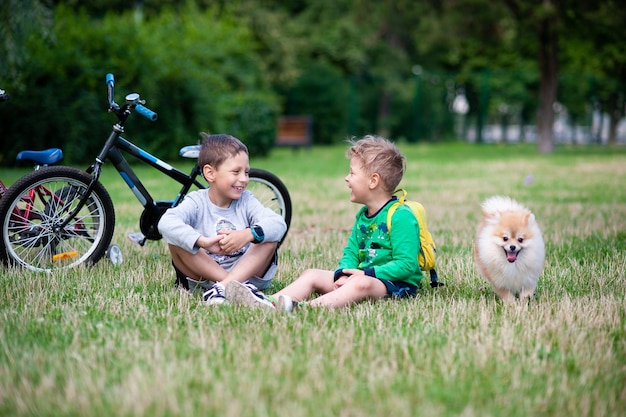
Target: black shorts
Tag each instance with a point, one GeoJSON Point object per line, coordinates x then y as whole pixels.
{"type": "Point", "coordinates": [399, 289]}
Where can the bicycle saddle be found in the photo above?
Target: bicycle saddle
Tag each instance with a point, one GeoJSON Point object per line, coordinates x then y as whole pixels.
{"type": "Point", "coordinates": [47, 157]}
{"type": "Point", "coordinates": [190, 151]}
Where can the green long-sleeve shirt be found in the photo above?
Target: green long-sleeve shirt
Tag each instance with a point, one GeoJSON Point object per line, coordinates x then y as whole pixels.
{"type": "Point", "coordinates": [391, 256]}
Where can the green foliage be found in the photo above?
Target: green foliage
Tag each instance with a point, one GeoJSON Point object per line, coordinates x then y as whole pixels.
{"type": "Point", "coordinates": [250, 117]}
{"type": "Point", "coordinates": [186, 65]}
{"type": "Point", "coordinates": [323, 93]}
{"type": "Point", "coordinates": [19, 21]}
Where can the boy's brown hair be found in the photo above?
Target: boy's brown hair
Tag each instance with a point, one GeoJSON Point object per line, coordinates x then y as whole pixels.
{"type": "Point", "coordinates": [217, 148]}
{"type": "Point", "coordinates": [381, 156]}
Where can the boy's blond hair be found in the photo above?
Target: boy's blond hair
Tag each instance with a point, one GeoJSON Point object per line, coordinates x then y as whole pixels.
{"type": "Point", "coordinates": [381, 156]}
{"type": "Point", "coordinates": [218, 148]}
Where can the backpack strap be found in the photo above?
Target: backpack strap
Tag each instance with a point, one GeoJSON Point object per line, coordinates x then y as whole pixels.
{"type": "Point", "coordinates": [403, 195]}
{"type": "Point", "coordinates": [395, 205]}
{"type": "Point", "coordinates": [434, 279]}
{"type": "Point", "coordinates": [392, 210]}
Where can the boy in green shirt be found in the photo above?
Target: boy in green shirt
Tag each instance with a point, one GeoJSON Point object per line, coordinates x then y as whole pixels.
{"type": "Point", "coordinates": [375, 262]}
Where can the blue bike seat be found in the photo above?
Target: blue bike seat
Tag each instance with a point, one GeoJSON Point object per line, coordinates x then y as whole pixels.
{"type": "Point", "coordinates": [46, 157]}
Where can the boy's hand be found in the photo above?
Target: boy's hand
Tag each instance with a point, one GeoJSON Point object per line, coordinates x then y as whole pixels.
{"type": "Point", "coordinates": [212, 244]}
{"type": "Point", "coordinates": [347, 274]}
{"type": "Point", "coordinates": [351, 272]}
{"type": "Point", "coordinates": [233, 240]}
{"type": "Point", "coordinates": [339, 282]}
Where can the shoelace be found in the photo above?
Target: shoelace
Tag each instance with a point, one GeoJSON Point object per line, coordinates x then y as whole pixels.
{"type": "Point", "coordinates": [212, 292]}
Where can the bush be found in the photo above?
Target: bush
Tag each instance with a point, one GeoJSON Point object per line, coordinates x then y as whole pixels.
{"type": "Point", "coordinates": [185, 64]}
{"type": "Point", "coordinates": [251, 117]}
{"type": "Point", "coordinates": [323, 93]}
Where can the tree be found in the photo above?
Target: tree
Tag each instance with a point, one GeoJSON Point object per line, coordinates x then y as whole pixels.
{"type": "Point", "coordinates": [20, 19]}
{"type": "Point", "coordinates": [543, 19]}
{"type": "Point", "coordinates": [594, 52]}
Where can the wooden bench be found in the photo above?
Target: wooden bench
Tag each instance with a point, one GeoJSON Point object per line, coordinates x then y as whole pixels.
{"type": "Point", "coordinates": [294, 131]}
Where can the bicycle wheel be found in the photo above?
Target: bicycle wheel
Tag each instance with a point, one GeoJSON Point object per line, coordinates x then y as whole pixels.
{"type": "Point", "coordinates": [32, 210]}
{"type": "Point", "coordinates": [272, 193]}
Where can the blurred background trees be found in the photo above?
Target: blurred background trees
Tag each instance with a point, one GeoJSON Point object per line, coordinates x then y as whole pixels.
{"type": "Point", "coordinates": [476, 70]}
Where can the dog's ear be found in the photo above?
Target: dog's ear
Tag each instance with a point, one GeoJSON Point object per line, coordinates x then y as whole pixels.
{"type": "Point", "coordinates": [491, 217]}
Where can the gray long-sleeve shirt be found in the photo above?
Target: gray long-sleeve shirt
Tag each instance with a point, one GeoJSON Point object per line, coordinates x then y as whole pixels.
{"type": "Point", "coordinates": [197, 216]}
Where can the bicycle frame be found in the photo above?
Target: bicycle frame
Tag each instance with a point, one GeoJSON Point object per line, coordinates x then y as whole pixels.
{"type": "Point", "coordinates": [134, 183]}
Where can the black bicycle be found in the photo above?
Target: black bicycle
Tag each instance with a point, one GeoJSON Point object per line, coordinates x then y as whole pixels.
{"type": "Point", "coordinates": [60, 217]}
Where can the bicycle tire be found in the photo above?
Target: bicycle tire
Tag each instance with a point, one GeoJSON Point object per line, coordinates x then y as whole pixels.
{"type": "Point", "coordinates": [33, 243]}
{"type": "Point", "coordinates": [272, 193]}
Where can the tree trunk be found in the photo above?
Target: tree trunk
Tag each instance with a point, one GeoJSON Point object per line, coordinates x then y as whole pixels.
{"type": "Point", "coordinates": [548, 87]}
{"type": "Point", "coordinates": [614, 122]}
{"type": "Point", "coordinates": [616, 111]}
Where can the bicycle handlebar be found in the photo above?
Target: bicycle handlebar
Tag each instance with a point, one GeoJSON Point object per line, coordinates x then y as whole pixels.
{"type": "Point", "coordinates": [146, 112]}
{"type": "Point", "coordinates": [110, 89]}
{"type": "Point", "coordinates": [139, 108]}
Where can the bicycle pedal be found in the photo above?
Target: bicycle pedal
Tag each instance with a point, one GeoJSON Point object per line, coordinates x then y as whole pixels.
{"type": "Point", "coordinates": [137, 238]}
{"type": "Point", "coordinates": [64, 256]}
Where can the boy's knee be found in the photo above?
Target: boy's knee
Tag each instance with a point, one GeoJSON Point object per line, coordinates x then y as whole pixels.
{"type": "Point", "coordinates": [310, 273]}
{"type": "Point", "coordinates": [364, 283]}
{"type": "Point", "coordinates": [174, 249]}
{"type": "Point", "coordinates": [268, 248]}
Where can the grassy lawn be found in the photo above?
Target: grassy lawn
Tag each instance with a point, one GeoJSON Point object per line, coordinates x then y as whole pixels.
{"type": "Point", "coordinates": [120, 341]}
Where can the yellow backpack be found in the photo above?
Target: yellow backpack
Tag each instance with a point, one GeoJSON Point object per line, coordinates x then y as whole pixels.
{"type": "Point", "coordinates": [428, 249]}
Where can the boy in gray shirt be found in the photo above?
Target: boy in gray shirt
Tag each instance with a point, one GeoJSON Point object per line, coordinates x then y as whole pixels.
{"type": "Point", "coordinates": [224, 233]}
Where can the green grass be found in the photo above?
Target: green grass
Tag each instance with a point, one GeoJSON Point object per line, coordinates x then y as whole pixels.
{"type": "Point", "coordinates": [118, 340]}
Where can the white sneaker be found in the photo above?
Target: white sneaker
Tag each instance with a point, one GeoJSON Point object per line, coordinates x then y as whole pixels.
{"type": "Point", "coordinates": [215, 295]}
{"type": "Point", "coordinates": [246, 294]}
